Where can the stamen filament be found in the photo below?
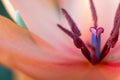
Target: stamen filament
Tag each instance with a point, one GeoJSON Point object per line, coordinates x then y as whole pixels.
{"type": "Point", "coordinates": [94, 13]}
{"type": "Point", "coordinates": [72, 24]}
{"type": "Point", "coordinates": [77, 42]}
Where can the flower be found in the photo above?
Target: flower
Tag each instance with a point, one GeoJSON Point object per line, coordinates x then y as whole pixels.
{"type": "Point", "coordinates": [45, 52]}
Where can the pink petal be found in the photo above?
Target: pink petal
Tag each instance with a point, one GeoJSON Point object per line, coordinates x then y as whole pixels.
{"type": "Point", "coordinates": [42, 20]}
{"type": "Point", "coordinates": [66, 71]}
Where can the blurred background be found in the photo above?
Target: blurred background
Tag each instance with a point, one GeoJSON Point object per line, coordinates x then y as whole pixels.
{"type": "Point", "coordinates": [6, 73]}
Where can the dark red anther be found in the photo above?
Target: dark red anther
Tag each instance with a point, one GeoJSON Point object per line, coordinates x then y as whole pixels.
{"type": "Point", "coordinates": [117, 16]}
{"type": "Point", "coordinates": [77, 41]}
{"type": "Point", "coordinates": [94, 14]}
{"type": "Point", "coordinates": [69, 33]}
{"type": "Point", "coordinates": [72, 24]}
{"type": "Point", "coordinates": [114, 35]}
{"type": "Point", "coordinates": [115, 32]}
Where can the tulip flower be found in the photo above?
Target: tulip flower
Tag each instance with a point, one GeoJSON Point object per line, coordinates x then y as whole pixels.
{"type": "Point", "coordinates": [63, 40]}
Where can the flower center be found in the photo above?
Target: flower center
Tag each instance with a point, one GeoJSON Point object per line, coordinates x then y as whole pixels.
{"type": "Point", "coordinates": [96, 54]}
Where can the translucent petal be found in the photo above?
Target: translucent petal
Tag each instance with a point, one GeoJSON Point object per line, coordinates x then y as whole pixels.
{"type": "Point", "coordinates": [42, 20]}
{"type": "Point", "coordinates": [23, 42]}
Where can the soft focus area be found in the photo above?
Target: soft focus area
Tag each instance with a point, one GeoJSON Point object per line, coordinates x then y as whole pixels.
{"type": "Point", "coordinates": [6, 73]}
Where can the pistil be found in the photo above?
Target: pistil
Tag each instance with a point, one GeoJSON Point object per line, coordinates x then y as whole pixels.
{"type": "Point", "coordinates": [96, 40]}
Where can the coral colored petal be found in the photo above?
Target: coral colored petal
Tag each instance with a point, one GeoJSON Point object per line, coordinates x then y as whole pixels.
{"type": "Point", "coordinates": [66, 71]}
{"type": "Point", "coordinates": [25, 43]}
{"type": "Point", "coordinates": [39, 69]}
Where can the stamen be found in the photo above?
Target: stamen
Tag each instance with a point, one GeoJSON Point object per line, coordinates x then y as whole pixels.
{"type": "Point", "coordinates": [77, 41]}
{"type": "Point", "coordinates": [115, 31]}
{"type": "Point", "coordinates": [95, 56]}
{"type": "Point", "coordinates": [72, 24]}
{"type": "Point", "coordinates": [104, 52]}
{"type": "Point", "coordinates": [70, 34]}
{"type": "Point", "coordinates": [95, 47]}
{"type": "Point", "coordinates": [94, 14]}
{"type": "Point", "coordinates": [114, 35]}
